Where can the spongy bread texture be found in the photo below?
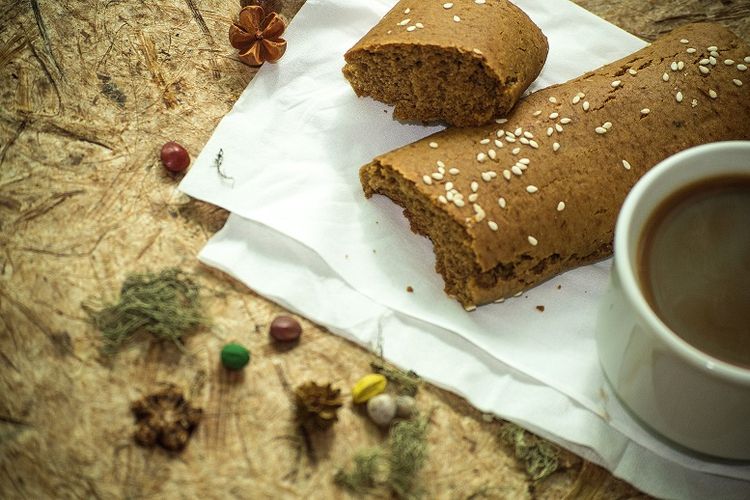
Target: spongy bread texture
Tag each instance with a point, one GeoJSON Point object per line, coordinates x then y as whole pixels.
{"type": "Point", "coordinates": [511, 204]}
{"type": "Point", "coordinates": [462, 65]}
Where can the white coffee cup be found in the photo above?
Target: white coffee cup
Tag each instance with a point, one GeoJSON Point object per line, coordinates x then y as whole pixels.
{"type": "Point", "coordinates": [682, 393]}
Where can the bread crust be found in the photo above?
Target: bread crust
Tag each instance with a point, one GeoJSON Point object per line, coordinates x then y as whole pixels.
{"type": "Point", "coordinates": [636, 118]}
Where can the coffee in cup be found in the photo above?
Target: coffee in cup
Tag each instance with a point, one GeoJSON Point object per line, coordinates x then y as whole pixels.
{"type": "Point", "coordinates": [694, 266]}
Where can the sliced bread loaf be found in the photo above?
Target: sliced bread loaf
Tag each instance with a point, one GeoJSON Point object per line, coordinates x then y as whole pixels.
{"type": "Point", "coordinates": [462, 62]}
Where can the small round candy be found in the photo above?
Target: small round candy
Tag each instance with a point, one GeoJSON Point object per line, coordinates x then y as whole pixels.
{"type": "Point", "coordinates": [285, 329]}
{"type": "Point", "coordinates": [174, 157]}
{"type": "Point", "coordinates": [406, 406]}
{"type": "Point", "coordinates": [235, 356]}
{"type": "Point", "coordinates": [382, 409]}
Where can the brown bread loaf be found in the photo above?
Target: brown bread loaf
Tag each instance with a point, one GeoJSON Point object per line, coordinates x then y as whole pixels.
{"type": "Point", "coordinates": [462, 62]}
{"type": "Point", "coordinates": [511, 204]}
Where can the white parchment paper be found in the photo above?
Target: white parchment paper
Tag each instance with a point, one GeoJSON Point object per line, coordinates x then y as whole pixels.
{"type": "Point", "coordinates": [304, 235]}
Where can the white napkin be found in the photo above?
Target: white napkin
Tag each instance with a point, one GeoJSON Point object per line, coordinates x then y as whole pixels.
{"type": "Point", "coordinates": [289, 273]}
{"type": "Point", "coordinates": [293, 144]}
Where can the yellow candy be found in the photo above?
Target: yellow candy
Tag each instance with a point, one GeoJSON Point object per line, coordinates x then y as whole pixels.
{"type": "Point", "coordinates": [368, 387]}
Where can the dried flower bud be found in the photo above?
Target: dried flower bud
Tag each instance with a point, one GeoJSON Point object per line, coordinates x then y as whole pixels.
{"type": "Point", "coordinates": [317, 405]}
{"type": "Point", "coordinates": [257, 36]}
{"type": "Point", "coordinates": [165, 418]}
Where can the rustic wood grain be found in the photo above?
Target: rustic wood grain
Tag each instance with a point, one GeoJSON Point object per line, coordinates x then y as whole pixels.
{"type": "Point", "coordinates": [90, 91]}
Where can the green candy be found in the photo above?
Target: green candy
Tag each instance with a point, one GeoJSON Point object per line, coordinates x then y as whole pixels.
{"type": "Point", "coordinates": [234, 357]}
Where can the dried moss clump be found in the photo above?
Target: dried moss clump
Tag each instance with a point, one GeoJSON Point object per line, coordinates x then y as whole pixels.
{"type": "Point", "coordinates": [406, 383]}
{"type": "Point", "coordinates": [395, 467]}
{"type": "Point", "coordinates": [365, 474]}
{"type": "Point", "coordinates": [165, 304]}
{"type": "Point", "coordinates": [408, 454]}
{"type": "Point", "coordinates": [540, 457]}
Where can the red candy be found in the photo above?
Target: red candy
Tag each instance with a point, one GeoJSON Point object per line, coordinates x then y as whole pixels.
{"type": "Point", "coordinates": [174, 157]}
{"type": "Point", "coordinates": [285, 329]}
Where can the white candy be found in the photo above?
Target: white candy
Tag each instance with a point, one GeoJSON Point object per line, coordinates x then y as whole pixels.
{"type": "Point", "coordinates": [382, 409]}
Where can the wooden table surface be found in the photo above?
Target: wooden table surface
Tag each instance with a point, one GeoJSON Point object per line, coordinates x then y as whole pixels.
{"type": "Point", "coordinates": [89, 91]}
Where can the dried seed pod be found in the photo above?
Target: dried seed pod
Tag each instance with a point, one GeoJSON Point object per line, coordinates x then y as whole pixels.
{"type": "Point", "coordinates": [165, 418]}
{"type": "Point", "coordinates": [382, 409]}
{"type": "Point", "coordinates": [317, 405]}
{"type": "Point", "coordinates": [368, 387]}
{"type": "Point", "coordinates": [257, 35]}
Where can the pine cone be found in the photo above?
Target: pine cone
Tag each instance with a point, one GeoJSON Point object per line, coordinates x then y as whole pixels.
{"type": "Point", "coordinates": [317, 405]}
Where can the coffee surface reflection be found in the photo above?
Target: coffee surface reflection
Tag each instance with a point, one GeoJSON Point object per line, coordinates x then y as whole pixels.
{"type": "Point", "coordinates": [694, 266]}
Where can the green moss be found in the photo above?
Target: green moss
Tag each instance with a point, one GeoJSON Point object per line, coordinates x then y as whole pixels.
{"type": "Point", "coordinates": [406, 383]}
{"type": "Point", "coordinates": [539, 457]}
{"type": "Point", "coordinates": [365, 474]}
{"type": "Point", "coordinates": [408, 454]}
{"type": "Point", "coordinates": [393, 468]}
{"type": "Point", "coordinates": [165, 304]}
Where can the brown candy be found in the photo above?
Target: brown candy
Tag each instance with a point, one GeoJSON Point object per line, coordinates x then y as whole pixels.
{"type": "Point", "coordinates": [285, 329]}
